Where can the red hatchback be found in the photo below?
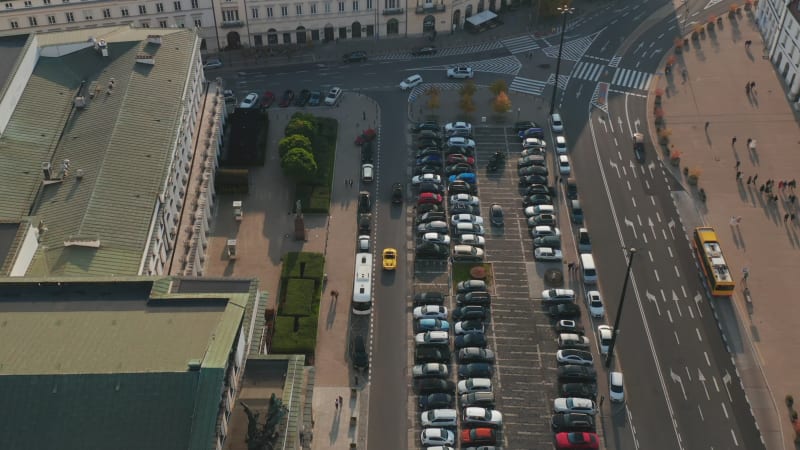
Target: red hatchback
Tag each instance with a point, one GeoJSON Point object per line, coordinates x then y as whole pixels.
{"type": "Point", "coordinates": [456, 158]}
{"type": "Point", "coordinates": [429, 197]}
{"type": "Point", "coordinates": [267, 99]}
{"type": "Point", "coordinates": [479, 436]}
{"type": "Point", "coordinates": [576, 441]}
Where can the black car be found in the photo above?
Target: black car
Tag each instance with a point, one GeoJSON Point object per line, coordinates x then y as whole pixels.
{"type": "Point", "coordinates": [433, 386]}
{"type": "Point", "coordinates": [429, 125]}
{"type": "Point", "coordinates": [360, 355]}
{"type": "Point", "coordinates": [397, 193]}
{"type": "Point", "coordinates": [572, 422]}
{"type": "Point", "coordinates": [475, 355]}
{"type": "Point", "coordinates": [421, 51]}
{"type": "Point", "coordinates": [428, 168]}
{"type": "Point", "coordinates": [532, 170]}
{"type": "Point", "coordinates": [466, 151]}
{"type": "Point", "coordinates": [537, 189]}
{"type": "Point", "coordinates": [479, 298]}
{"type": "Point", "coordinates": [564, 311]}
{"type": "Point", "coordinates": [431, 187]}
{"type": "Point", "coordinates": [286, 100]}
{"type": "Point", "coordinates": [464, 208]}
{"type": "Point", "coordinates": [460, 187]}
{"type": "Point", "coordinates": [354, 57]}
{"type": "Point", "coordinates": [574, 373]}
{"type": "Point", "coordinates": [428, 207]}
{"type": "Point", "coordinates": [423, 355]}
{"type": "Point", "coordinates": [470, 312]}
{"type": "Point", "coordinates": [475, 370]}
{"type": "Point", "coordinates": [302, 98]}
{"type": "Point", "coordinates": [428, 142]}
{"type": "Point", "coordinates": [537, 199]}
{"type": "Point", "coordinates": [431, 216]}
{"type": "Point", "coordinates": [429, 298]}
{"type": "Point", "coordinates": [364, 203]}
{"type": "Point", "coordinates": [314, 98]}
{"type": "Point", "coordinates": [582, 390]}
{"type": "Point", "coordinates": [471, 340]}
{"type": "Point", "coordinates": [532, 179]}
{"type": "Point", "coordinates": [524, 126]}
{"type": "Point", "coordinates": [496, 215]}
{"type": "Point", "coordinates": [435, 401]}
{"type": "Point", "coordinates": [572, 189]}
{"type": "Point", "coordinates": [433, 251]}
{"type": "Point", "coordinates": [455, 169]}
{"type": "Point", "coordinates": [364, 223]}
{"type": "Point", "coordinates": [427, 151]}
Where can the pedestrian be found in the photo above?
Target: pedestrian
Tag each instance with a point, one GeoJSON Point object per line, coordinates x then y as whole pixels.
{"type": "Point", "coordinates": [346, 183]}
{"type": "Point", "coordinates": [792, 198]}
{"type": "Point", "coordinates": [341, 401]}
{"type": "Point", "coordinates": [753, 85]}
{"type": "Point", "coordinates": [791, 216]}
{"type": "Point", "coordinates": [738, 162]}
{"type": "Point", "coordinates": [733, 141]}
{"type": "Point", "coordinates": [749, 140]}
{"type": "Point", "coordinates": [738, 220]}
{"type": "Point", "coordinates": [733, 220]}
{"type": "Point", "coordinates": [749, 179]}
{"type": "Point", "coordinates": [747, 88]}
{"type": "Point", "coordinates": [602, 399]}
{"type": "Point", "coordinates": [745, 273]}
{"type": "Point", "coordinates": [761, 189]}
{"type": "Point", "coordinates": [336, 403]}
{"type": "Point", "coordinates": [785, 217]}
{"type": "Point", "coordinates": [780, 185]}
{"type": "Point", "coordinates": [570, 266]}
{"type": "Point", "coordinates": [707, 124]}
{"type": "Point", "coordinates": [738, 175]}
{"type": "Point", "coordinates": [351, 182]}
{"type": "Point", "coordinates": [755, 177]}
{"type": "Point", "coordinates": [793, 183]}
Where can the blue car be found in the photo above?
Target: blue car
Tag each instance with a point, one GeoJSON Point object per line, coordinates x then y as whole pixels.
{"type": "Point", "coordinates": [430, 324]}
{"type": "Point", "coordinates": [469, 177]}
{"type": "Point", "coordinates": [532, 132]}
{"type": "Point", "coordinates": [429, 159]}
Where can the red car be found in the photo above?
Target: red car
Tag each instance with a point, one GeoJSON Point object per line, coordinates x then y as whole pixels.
{"type": "Point", "coordinates": [267, 99]}
{"type": "Point", "coordinates": [576, 441]}
{"type": "Point", "coordinates": [429, 197]}
{"type": "Point", "coordinates": [479, 436]}
{"type": "Point", "coordinates": [456, 158]}
{"type": "Point", "coordinates": [287, 98]}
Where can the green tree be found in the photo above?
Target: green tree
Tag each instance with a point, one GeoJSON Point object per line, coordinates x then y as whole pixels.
{"type": "Point", "coordinates": [301, 127]}
{"type": "Point", "coordinates": [468, 89]}
{"type": "Point", "coordinates": [499, 86]}
{"type": "Point", "coordinates": [299, 164]}
{"type": "Point", "coordinates": [501, 103]}
{"type": "Point", "coordinates": [293, 141]}
{"type": "Point", "coordinates": [466, 104]}
{"type": "Point", "coordinates": [264, 436]}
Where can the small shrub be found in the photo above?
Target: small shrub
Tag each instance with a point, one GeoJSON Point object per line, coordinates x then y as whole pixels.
{"type": "Point", "coordinates": [477, 272]}
{"type": "Point", "coordinates": [499, 86]}
{"type": "Point", "coordinates": [501, 103]}
{"type": "Point", "coordinates": [293, 141]}
{"type": "Point", "coordinates": [663, 135]}
{"type": "Point", "coordinates": [466, 104]}
{"type": "Point", "coordinates": [468, 89]}
{"type": "Point", "coordinates": [302, 127]}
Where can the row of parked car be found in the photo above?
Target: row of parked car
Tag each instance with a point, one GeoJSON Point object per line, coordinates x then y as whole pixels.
{"type": "Point", "coordinates": [479, 421]}
{"type": "Point", "coordinates": [303, 98]}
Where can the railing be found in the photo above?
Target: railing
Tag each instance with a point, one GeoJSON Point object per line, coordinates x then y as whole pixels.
{"type": "Point", "coordinates": [393, 11]}
{"type": "Point", "coordinates": [430, 8]}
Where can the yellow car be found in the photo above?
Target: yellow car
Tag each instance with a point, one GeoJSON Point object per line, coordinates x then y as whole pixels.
{"type": "Point", "coordinates": [389, 259]}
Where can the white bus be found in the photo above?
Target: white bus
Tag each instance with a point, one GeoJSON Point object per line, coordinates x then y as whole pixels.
{"type": "Point", "coordinates": [362, 285]}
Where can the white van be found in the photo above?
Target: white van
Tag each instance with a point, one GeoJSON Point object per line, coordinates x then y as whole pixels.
{"type": "Point", "coordinates": [367, 171]}
{"type": "Point", "coordinates": [615, 387]}
{"type": "Point", "coordinates": [588, 269]}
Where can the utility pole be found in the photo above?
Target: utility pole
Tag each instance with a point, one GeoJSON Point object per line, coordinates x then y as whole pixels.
{"type": "Point", "coordinates": [631, 252]}
{"type": "Point", "coordinates": [564, 10]}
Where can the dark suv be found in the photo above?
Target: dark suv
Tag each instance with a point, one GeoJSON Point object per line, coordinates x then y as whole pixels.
{"type": "Point", "coordinates": [355, 57]}
{"type": "Point", "coordinates": [572, 422]}
{"type": "Point", "coordinates": [360, 356]}
{"type": "Point", "coordinates": [397, 193]}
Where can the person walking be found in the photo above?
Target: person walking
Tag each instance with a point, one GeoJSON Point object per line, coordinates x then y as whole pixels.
{"type": "Point", "coordinates": [570, 266]}
{"type": "Point", "coordinates": [780, 185]}
{"type": "Point", "coordinates": [738, 161]}
{"type": "Point", "coordinates": [785, 217]}
{"type": "Point", "coordinates": [755, 177]}
{"type": "Point", "coordinates": [336, 404]}
{"type": "Point", "coordinates": [749, 179]}
{"type": "Point", "coordinates": [745, 273]}
{"type": "Point", "coordinates": [707, 124]}
{"type": "Point", "coordinates": [761, 189]}
{"type": "Point", "coordinates": [733, 141]}
{"type": "Point", "coordinates": [738, 175]}
{"type": "Point", "coordinates": [341, 402]}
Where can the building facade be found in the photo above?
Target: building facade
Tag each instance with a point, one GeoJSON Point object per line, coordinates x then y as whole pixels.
{"type": "Point", "coordinates": [223, 24]}
{"type": "Point", "coordinates": [779, 22]}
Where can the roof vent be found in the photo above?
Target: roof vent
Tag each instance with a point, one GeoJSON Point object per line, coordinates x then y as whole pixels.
{"type": "Point", "coordinates": [80, 102]}
{"type": "Point", "coordinates": [79, 174]}
{"type": "Point", "coordinates": [101, 46]}
{"type": "Point", "coordinates": [194, 364]}
{"type": "Point", "coordinates": [146, 59]}
{"type": "Point", "coordinates": [154, 39]}
{"type": "Point", "coordinates": [47, 170]}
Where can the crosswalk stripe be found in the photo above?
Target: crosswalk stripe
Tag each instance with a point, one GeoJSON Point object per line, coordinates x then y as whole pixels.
{"type": "Point", "coordinates": [588, 71]}
{"type": "Point", "coordinates": [527, 86]}
{"type": "Point", "coordinates": [632, 79]}
{"type": "Point", "coordinates": [520, 44]}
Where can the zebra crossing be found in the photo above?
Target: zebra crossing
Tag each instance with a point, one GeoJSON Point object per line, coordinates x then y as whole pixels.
{"type": "Point", "coordinates": [527, 86]}
{"type": "Point", "coordinates": [615, 61]}
{"type": "Point", "coordinates": [588, 71]}
{"type": "Point", "coordinates": [451, 51]}
{"type": "Point", "coordinates": [506, 65]}
{"type": "Point", "coordinates": [520, 44]}
{"type": "Point", "coordinates": [573, 50]}
{"type": "Point", "coordinates": [632, 79]}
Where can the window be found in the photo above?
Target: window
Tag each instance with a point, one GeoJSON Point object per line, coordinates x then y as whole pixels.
{"type": "Point", "coordinates": [9, 6]}
{"type": "Point", "coordinates": [51, 20]}
{"type": "Point", "coordinates": [327, 7]}
{"type": "Point", "coordinates": [230, 15]}
{"type": "Point", "coordinates": [390, 4]}
{"type": "Point", "coordinates": [254, 13]}
{"type": "Point", "coordinates": [177, 6]}
{"type": "Point", "coordinates": [124, 12]}
{"type": "Point", "coordinates": [341, 6]}
{"type": "Point", "coordinates": [269, 11]}
{"type": "Point", "coordinates": [195, 4]}
{"type": "Point", "coordinates": [369, 4]}
{"type": "Point", "coordinates": [106, 13]}
{"type": "Point", "coordinates": [46, 2]}
{"type": "Point", "coordinates": [355, 5]}
{"type": "Point", "coordinates": [87, 15]}
{"type": "Point", "coordinates": [32, 21]}
{"type": "Point", "coordinates": [70, 18]}
{"type": "Point", "coordinates": [64, 1]}
{"type": "Point", "coordinates": [14, 24]}
{"type": "Point", "coordinates": [198, 23]}
{"type": "Point", "coordinates": [298, 9]}
{"type": "Point", "coordinates": [142, 9]}
{"type": "Point", "coordinates": [162, 23]}
{"type": "Point", "coordinates": [28, 3]}
{"type": "Point", "coordinates": [284, 11]}
{"type": "Point", "coordinates": [159, 7]}
{"type": "Point", "coordinates": [313, 8]}
{"type": "Point", "coordinates": [145, 24]}
{"type": "Point", "coordinates": [179, 21]}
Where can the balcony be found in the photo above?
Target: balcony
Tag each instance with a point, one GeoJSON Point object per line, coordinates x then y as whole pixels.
{"type": "Point", "coordinates": [429, 8]}
{"type": "Point", "coordinates": [232, 24]}
{"type": "Point", "coordinates": [393, 11]}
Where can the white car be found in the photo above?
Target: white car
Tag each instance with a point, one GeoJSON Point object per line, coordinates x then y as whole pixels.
{"type": "Point", "coordinates": [432, 338]}
{"type": "Point", "coordinates": [430, 312]}
{"type": "Point", "coordinates": [452, 127]}
{"type": "Point", "coordinates": [563, 165]}
{"type": "Point", "coordinates": [574, 405]}
{"type": "Point", "coordinates": [465, 198]}
{"type": "Point", "coordinates": [333, 96]}
{"type": "Point", "coordinates": [430, 370]}
{"type": "Point", "coordinates": [544, 230]}
{"type": "Point", "coordinates": [410, 82]}
{"type": "Point", "coordinates": [465, 218]}
{"type": "Point", "coordinates": [558, 295]}
{"type": "Point", "coordinates": [437, 436]}
{"type": "Point", "coordinates": [546, 254]}
{"type": "Point", "coordinates": [575, 357]}
{"type": "Point", "coordinates": [471, 385]}
{"type": "Point", "coordinates": [363, 243]}
{"type": "Point", "coordinates": [533, 143]}
{"type": "Point", "coordinates": [212, 64]}
{"type": "Point", "coordinates": [595, 304]}
{"type": "Point", "coordinates": [604, 335]}
{"type": "Point", "coordinates": [556, 123]}
{"type": "Point", "coordinates": [532, 151]}
{"type": "Point", "coordinates": [436, 238]}
{"type": "Point", "coordinates": [482, 417]}
{"type": "Point", "coordinates": [439, 418]}
{"type": "Point", "coordinates": [472, 239]}
{"type": "Point", "coordinates": [426, 178]}
{"type": "Point", "coordinates": [473, 326]}
{"type": "Point", "coordinates": [460, 141]}
{"type": "Point", "coordinates": [250, 101]}
{"type": "Point", "coordinates": [561, 145]}
{"type": "Point", "coordinates": [460, 72]}
{"type": "Point", "coordinates": [615, 387]}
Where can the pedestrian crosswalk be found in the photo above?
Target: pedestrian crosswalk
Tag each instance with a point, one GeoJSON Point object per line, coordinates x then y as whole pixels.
{"type": "Point", "coordinates": [527, 86]}
{"type": "Point", "coordinates": [573, 50]}
{"type": "Point", "coordinates": [452, 51]}
{"type": "Point", "coordinates": [632, 79]}
{"type": "Point", "coordinates": [615, 61]}
{"type": "Point", "coordinates": [520, 44]}
{"type": "Point", "coordinates": [588, 71]}
{"type": "Point", "coordinates": [507, 65]}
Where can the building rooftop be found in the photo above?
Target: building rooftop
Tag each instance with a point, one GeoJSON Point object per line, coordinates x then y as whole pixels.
{"type": "Point", "coordinates": [11, 47]}
{"type": "Point", "coordinates": [119, 143]}
{"type": "Point", "coordinates": [128, 363]}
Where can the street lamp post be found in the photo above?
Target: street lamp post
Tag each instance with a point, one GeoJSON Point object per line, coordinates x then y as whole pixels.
{"type": "Point", "coordinates": [564, 10]}
{"type": "Point", "coordinates": [631, 252]}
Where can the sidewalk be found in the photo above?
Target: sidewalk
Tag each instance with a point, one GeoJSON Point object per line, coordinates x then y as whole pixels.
{"type": "Point", "coordinates": [761, 332]}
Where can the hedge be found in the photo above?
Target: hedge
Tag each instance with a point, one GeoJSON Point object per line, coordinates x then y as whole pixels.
{"type": "Point", "coordinates": [286, 340]}
{"type": "Point", "coordinates": [315, 196]}
{"type": "Point", "coordinates": [299, 298]}
{"type": "Point", "coordinates": [314, 265]}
